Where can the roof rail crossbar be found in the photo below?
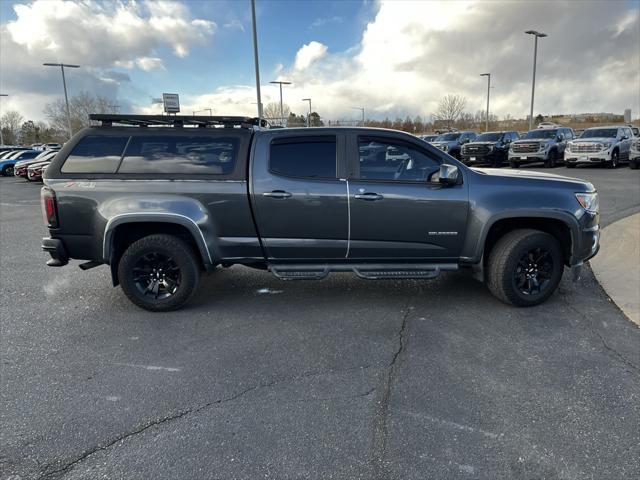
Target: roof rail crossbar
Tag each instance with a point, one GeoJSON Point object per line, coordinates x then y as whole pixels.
{"type": "Point", "coordinates": [108, 120]}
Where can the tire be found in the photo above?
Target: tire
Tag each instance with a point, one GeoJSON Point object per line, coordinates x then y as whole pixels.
{"type": "Point", "coordinates": [551, 161]}
{"type": "Point", "coordinates": [513, 164]}
{"type": "Point", "coordinates": [633, 165]}
{"type": "Point", "coordinates": [7, 171]}
{"type": "Point", "coordinates": [615, 159]}
{"type": "Point", "coordinates": [570, 165]}
{"type": "Point", "coordinates": [511, 260]}
{"type": "Point", "coordinates": [154, 258]}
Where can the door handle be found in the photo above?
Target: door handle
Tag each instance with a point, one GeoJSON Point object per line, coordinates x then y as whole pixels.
{"type": "Point", "coordinates": [277, 194]}
{"type": "Point", "coordinates": [368, 196]}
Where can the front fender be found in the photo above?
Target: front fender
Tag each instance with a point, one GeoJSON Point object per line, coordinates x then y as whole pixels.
{"type": "Point", "coordinates": [479, 228]}
{"type": "Point", "coordinates": [183, 211]}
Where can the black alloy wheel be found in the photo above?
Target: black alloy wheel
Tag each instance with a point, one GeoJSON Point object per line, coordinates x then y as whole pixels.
{"type": "Point", "coordinates": [533, 272]}
{"type": "Point", "coordinates": [156, 275]}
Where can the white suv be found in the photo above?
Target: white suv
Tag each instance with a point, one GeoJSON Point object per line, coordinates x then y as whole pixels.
{"type": "Point", "coordinates": [610, 145]}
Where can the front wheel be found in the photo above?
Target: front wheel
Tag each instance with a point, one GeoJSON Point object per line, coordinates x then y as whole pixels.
{"type": "Point", "coordinates": [159, 272]}
{"type": "Point", "coordinates": [513, 164]}
{"type": "Point", "coordinates": [551, 161]}
{"type": "Point", "coordinates": [7, 171]}
{"type": "Point", "coordinates": [525, 267]}
{"type": "Point", "coordinates": [615, 160]}
{"type": "Point", "coordinates": [633, 165]}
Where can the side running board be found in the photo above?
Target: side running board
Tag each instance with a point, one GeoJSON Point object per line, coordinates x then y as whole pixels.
{"type": "Point", "coordinates": [367, 271]}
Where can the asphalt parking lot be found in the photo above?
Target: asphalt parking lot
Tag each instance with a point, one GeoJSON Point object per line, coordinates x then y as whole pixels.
{"type": "Point", "coordinates": [340, 378]}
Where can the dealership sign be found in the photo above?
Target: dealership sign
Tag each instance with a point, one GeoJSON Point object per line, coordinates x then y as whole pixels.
{"type": "Point", "coordinates": [171, 102]}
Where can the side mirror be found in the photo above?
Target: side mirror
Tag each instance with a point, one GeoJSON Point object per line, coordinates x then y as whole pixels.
{"type": "Point", "coordinates": [561, 137]}
{"type": "Point", "coordinates": [507, 140]}
{"type": "Point", "coordinates": [448, 174]}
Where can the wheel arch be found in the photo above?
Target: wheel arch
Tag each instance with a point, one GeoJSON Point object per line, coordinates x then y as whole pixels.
{"type": "Point", "coordinates": [124, 229]}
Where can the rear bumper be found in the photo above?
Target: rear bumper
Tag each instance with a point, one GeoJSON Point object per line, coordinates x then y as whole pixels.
{"type": "Point", "coordinates": [55, 248]}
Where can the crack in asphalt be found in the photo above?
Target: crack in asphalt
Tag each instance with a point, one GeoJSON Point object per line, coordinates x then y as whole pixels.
{"type": "Point", "coordinates": [619, 356]}
{"type": "Point", "coordinates": [379, 447]}
{"type": "Point", "coordinates": [181, 413]}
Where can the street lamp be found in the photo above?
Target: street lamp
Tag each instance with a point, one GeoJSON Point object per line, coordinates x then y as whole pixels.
{"type": "Point", "coordinates": [255, 59]}
{"type": "Point", "coordinates": [488, 75]}
{"type": "Point", "coordinates": [308, 116]}
{"type": "Point", "coordinates": [281, 108]}
{"type": "Point", "coordinates": [533, 84]}
{"type": "Point", "coordinates": [361, 109]}
{"type": "Point", "coordinates": [1, 134]}
{"type": "Point", "coordinates": [64, 85]}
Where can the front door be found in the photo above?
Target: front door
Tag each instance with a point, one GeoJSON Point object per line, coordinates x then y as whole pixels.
{"type": "Point", "coordinates": [398, 210]}
{"type": "Point", "coordinates": [299, 199]}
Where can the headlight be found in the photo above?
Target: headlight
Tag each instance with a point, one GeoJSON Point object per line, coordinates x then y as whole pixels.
{"type": "Point", "coordinates": [544, 146]}
{"type": "Point", "coordinates": [588, 201]}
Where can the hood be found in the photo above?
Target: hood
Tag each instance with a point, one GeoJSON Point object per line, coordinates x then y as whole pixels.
{"type": "Point", "coordinates": [22, 163]}
{"type": "Point", "coordinates": [534, 140]}
{"type": "Point", "coordinates": [532, 175]}
{"type": "Point", "coordinates": [482, 143]}
{"type": "Point", "coordinates": [593, 140]}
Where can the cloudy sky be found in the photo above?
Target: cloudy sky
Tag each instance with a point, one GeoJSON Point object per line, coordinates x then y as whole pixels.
{"type": "Point", "coordinates": [394, 58]}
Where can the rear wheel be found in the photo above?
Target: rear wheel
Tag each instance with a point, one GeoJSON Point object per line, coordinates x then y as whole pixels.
{"type": "Point", "coordinates": [525, 267]}
{"type": "Point", "coordinates": [633, 165]}
{"type": "Point", "coordinates": [513, 164]}
{"type": "Point", "coordinates": [571, 165]}
{"type": "Point", "coordinates": [159, 272]}
{"type": "Point", "coordinates": [7, 170]}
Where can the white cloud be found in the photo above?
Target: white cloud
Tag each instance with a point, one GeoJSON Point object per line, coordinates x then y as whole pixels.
{"type": "Point", "coordinates": [321, 22]}
{"type": "Point", "coordinates": [149, 63]}
{"type": "Point", "coordinates": [97, 35]}
{"type": "Point", "coordinates": [413, 53]}
{"type": "Point", "coordinates": [234, 24]}
{"type": "Point", "coordinates": [308, 54]}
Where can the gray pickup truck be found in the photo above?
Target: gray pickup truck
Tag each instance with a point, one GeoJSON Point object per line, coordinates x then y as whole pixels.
{"type": "Point", "coordinates": [163, 199]}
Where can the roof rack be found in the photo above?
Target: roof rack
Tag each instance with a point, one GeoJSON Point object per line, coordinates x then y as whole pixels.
{"type": "Point", "coordinates": [107, 120]}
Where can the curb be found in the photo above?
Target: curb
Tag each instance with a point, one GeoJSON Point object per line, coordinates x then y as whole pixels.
{"type": "Point", "coordinates": [617, 265]}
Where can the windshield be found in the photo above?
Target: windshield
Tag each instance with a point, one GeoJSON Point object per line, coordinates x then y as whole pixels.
{"type": "Point", "coordinates": [447, 137]}
{"type": "Point", "coordinates": [488, 137]}
{"type": "Point", "coordinates": [540, 134]}
{"type": "Point", "coordinates": [600, 132]}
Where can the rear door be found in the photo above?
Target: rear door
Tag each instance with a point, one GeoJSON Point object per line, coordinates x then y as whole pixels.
{"type": "Point", "coordinates": [299, 194]}
{"type": "Point", "coordinates": [398, 210]}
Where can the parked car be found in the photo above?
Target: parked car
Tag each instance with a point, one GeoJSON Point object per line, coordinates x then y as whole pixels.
{"type": "Point", "coordinates": [52, 146]}
{"type": "Point", "coordinates": [635, 130]}
{"type": "Point", "coordinates": [34, 172]}
{"type": "Point", "coordinates": [20, 168]}
{"type": "Point", "coordinates": [540, 145]}
{"type": "Point", "coordinates": [548, 125]}
{"type": "Point", "coordinates": [37, 146]}
{"type": "Point", "coordinates": [428, 138]}
{"type": "Point", "coordinates": [6, 152]}
{"type": "Point", "coordinates": [336, 211]}
{"type": "Point", "coordinates": [7, 163]}
{"type": "Point", "coordinates": [634, 156]}
{"type": "Point", "coordinates": [452, 142]}
{"type": "Point", "coordinates": [603, 145]}
{"type": "Point", "coordinates": [489, 147]}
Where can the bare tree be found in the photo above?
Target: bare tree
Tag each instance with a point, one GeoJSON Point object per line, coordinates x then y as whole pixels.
{"type": "Point", "coordinates": [80, 107]}
{"type": "Point", "coordinates": [450, 108]}
{"type": "Point", "coordinates": [272, 113]}
{"type": "Point", "coordinates": [10, 124]}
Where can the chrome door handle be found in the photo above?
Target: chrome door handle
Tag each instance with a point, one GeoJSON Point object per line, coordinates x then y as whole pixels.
{"type": "Point", "coordinates": [368, 196]}
{"type": "Point", "coordinates": [277, 194]}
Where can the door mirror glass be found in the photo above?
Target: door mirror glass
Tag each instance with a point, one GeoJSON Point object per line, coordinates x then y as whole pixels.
{"type": "Point", "coordinates": [560, 137]}
{"type": "Point", "coordinates": [448, 174]}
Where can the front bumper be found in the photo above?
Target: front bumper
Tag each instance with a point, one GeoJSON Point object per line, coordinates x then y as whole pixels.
{"type": "Point", "coordinates": [529, 157]}
{"type": "Point", "coordinates": [56, 249]}
{"type": "Point", "coordinates": [596, 157]}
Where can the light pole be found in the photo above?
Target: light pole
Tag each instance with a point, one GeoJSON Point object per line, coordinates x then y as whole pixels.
{"type": "Point", "coordinates": [210, 110]}
{"type": "Point", "coordinates": [281, 108]}
{"type": "Point", "coordinates": [255, 58]}
{"type": "Point", "coordinates": [308, 116]}
{"type": "Point", "coordinates": [533, 84]}
{"type": "Point", "coordinates": [1, 134]}
{"type": "Point", "coordinates": [488, 75]}
{"type": "Point", "coordinates": [362, 110]}
{"type": "Point", "coordinates": [64, 85]}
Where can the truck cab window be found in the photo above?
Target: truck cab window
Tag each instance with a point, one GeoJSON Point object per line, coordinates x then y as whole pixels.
{"type": "Point", "coordinates": [388, 160]}
{"type": "Point", "coordinates": [304, 157]}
